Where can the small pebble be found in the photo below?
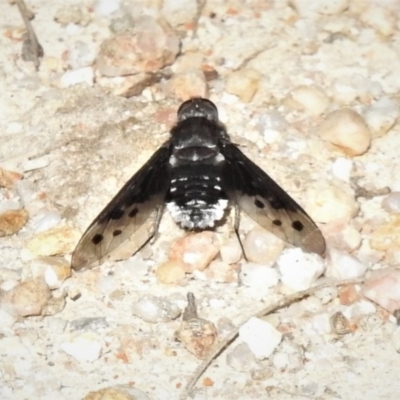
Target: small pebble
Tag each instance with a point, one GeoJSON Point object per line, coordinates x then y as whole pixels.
{"type": "Point", "coordinates": [243, 83]}
{"type": "Point", "coordinates": [298, 269]}
{"type": "Point", "coordinates": [54, 241]}
{"type": "Point", "coordinates": [12, 221]}
{"type": "Point", "coordinates": [258, 275]}
{"type": "Point", "coordinates": [319, 324]}
{"type": "Point", "coordinates": [231, 252]}
{"type": "Point", "coordinates": [311, 99]}
{"type": "Point", "coordinates": [220, 271]}
{"type": "Point", "coordinates": [381, 19]}
{"type": "Point", "coordinates": [347, 130]}
{"type": "Point", "coordinates": [118, 392]}
{"type": "Point", "coordinates": [46, 220]}
{"type": "Point", "coordinates": [340, 324]}
{"type": "Point", "coordinates": [84, 346]}
{"type": "Point", "coordinates": [381, 116]}
{"type": "Point", "coordinates": [342, 236]}
{"type": "Point", "coordinates": [261, 337]}
{"type": "Point", "coordinates": [383, 288]}
{"type": "Point", "coordinates": [187, 62]}
{"type": "Point", "coordinates": [72, 14]}
{"type": "Point", "coordinates": [391, 203]}
{"type": "Point", "coordinates": [262, 247]}
{"type": "Point", "coordinates": [106, 8]}
{"type": "Point", "coordinates": [307, 7]}
{"type": "Point", "coordinates": [171, 272]}
{"type": "Point", "coordinates": [77, 76]}
{"type": "Point", "coordinates": [241, 358]}
{"type": "Point", "coordinates": [328, 202]}
{"type": "Point", "coordinates": [8, 178]}
{"type": "Point", "coordinates": [188, 84]}
{"type": "Point", "coordinates": [326, 294]}
{"type": "Point", "coordinates": [180, 13]}
{"type": "Point", "coordinates": [155, 309]}
{"type": "Point", "coordinates": [198, 336]}
{"type": "Point", "coordinates": [26, 298]}
{"type": "Point", "coordinates": [148, 47]}
{"type": "Point", "coordinates": [196, 251]}
{"type": "Point", "coordinates": [342, 168]}
{"type": "Point", "coordinates": [344, 266]}
{"type": "Point", "coordinates": [54, 270]}
{"type": "Point", "coordinates": [81, 54]}
{"type": "Point", "coordinates": [386, 236]}
{"type": "Point", "coordinates": [359, 309]}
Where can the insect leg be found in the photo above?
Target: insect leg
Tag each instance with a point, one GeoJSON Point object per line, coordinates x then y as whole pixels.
{"type": "Point", "coordinates": [236, 227]}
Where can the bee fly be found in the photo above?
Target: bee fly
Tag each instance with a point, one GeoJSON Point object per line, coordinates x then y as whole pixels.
{"type": "Point", "coordinates": [197, 174]}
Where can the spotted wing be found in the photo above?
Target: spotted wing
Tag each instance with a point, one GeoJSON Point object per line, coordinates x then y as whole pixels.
{"type": "Point", "coordinates": [250, 188]}
{"type": "Point", "coordinates": [141, 198]}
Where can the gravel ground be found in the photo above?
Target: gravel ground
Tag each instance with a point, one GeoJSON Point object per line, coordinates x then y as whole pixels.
{"type": "Point", "coordinates": [308, 89]}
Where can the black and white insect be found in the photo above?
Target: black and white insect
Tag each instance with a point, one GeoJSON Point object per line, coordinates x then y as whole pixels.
{"type": "Point", "coordinates": [198, 173]}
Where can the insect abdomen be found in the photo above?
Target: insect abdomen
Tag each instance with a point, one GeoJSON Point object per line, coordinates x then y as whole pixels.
{"type": "Point", "coordinates": [196, 199]}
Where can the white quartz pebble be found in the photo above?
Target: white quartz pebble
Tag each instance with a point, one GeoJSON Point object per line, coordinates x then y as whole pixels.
{"type": "Point", "coordinates": [77, 76]}
{"type": "Point", "coordinates": [344, 266]}
{"type": "Point", "coordinates": [85, 346]}
{"type": "Point", "coordinates": [298, 269]}
{"type": "Point", "coordinates": [155, 309]}
{"type": "Point", "coordinates": [257, 275]}
{"type": "Point", "coordinates": [261, 337]}
{"type": "Point", "coordinates": [381, 116]}
{"type": "Point", "coordinates": [341, 168]}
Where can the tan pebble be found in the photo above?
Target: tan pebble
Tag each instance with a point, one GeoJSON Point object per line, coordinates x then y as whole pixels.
{"type": "Point", "coordinates": [117, 392]}
{"type": "Point", "coordinates": [231, 252]}
{"type": "Point", "coordinates": [186, 85]}
{"type": "Point", "coordinates": [54, 306]}
{"type": "Point", "coordinates": [54, 270]}
{"type": "Point", "coordinates": [380, 19]}
{"type": "Point", "coordinates": [59, 240]}
{"type": "Point", "coordinates": [383, 288]}
{"type": "Point", "coordinates": [347, 130]}
{"type": "Point", "coordinates": [27, 298]}
{"type": "Point", "coordinates": [329, 202]}
{"type": "Point", "coordinates": [348, 294]}
{"type": "Point", "coordinates": [386, 235]}
{"type": "Point", "coordinates": [148, 47]}
{"type": "Point", "coordinates": [262, 247]}
{"type": "Point", "coordinates": [9, 178]}
{"type": "Point", "coordinates": [220, 271]}
{"type": "Point", "coordinates": [342, 236]}
{"type": "Point", "coordinates": [171, 272]}
{"type": "Point", "coordinates": [12, 221]}
{"type": "Point", "coordinates": [243, 83]}
{"type": "Point", "coordinates": [198, 336]}
{"type": "Point", "coordinates": [311, 99]}
{"type": "Point", "coordinates": [108, 394]}
{"type": "Point", "coordinates": [196, 251]}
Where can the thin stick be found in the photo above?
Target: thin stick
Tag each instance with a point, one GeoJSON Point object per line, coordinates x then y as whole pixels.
{"type": "Point", "coordinates": [284, 302]}
{"type": "Point", "coordinates": [31, 48]}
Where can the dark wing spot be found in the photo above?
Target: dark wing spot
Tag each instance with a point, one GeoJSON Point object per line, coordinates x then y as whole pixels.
{"type": "Point", "coordinates": [298, 226]}
{"type": "Point", "coordinates": [277, 222]}
{"type": "Point", "coordinates": [275, 204]}
{"type": "Point", "coordinates": [117, 232]}
{"type": "Point", "coordinates": [259, 203]}
{"type": "Point", "coordinates": [133, 212]}
{"type": "Point", "coordinates": [117, 214]}
{"type": "Point", "coordinates": [97, 238]}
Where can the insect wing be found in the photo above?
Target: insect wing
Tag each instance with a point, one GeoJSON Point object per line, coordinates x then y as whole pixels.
{"type": "Point", "coordinates": [141, 198]}
{"type": "Point", "coordinates": [262, 199]}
